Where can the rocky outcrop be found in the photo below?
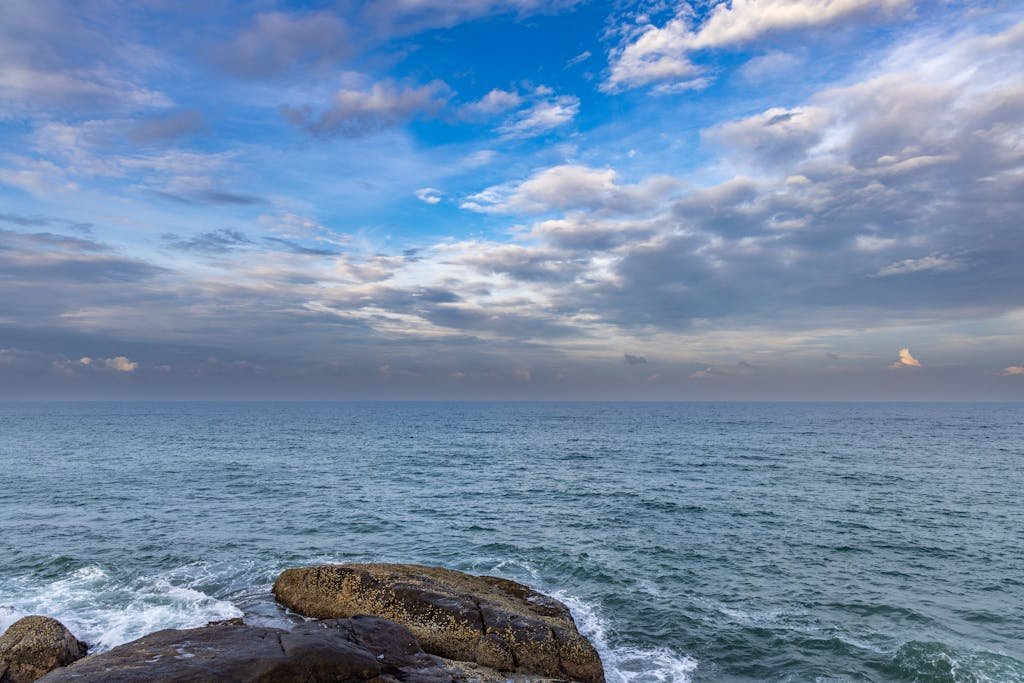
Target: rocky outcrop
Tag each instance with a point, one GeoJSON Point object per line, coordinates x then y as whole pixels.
{"type": "Point", "coordinates": [336, 650]}
{"type": "Point", "coordinates": [493, 622]}
{"type": "Point", "coordinates": [35, 645]}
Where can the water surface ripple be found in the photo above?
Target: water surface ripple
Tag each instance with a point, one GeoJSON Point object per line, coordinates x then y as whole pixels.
{"type": "Point", "coordinates": [705, 542]}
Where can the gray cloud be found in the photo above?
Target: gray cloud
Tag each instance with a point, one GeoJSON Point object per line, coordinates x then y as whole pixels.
{"type": "Point", "coordinates": [51, 56]}
{"type": "Point", "coordinates": [211, 196]}
{"type": "Point", "coordinates": [634, 360]}
{"type": "Point", "coordinates": [167, 127]}
{"type": "Point", "coordinates": [278, 43]}
{"type": "Point", "coordinates": [215, 241]}
{"type": "Point", "coordinates": [359, 112]}
{"type": "Point", "coordinates": [296, 248]}
{"type": "Point", "coordinates": [392, 17]}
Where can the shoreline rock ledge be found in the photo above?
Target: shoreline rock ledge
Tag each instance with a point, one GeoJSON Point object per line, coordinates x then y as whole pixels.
{"type": "Point", "coordinates": [492, 622]}
{"type": "Point", "coordinates": [370, 623]}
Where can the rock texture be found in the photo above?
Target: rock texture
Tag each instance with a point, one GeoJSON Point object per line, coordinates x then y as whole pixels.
{"type": "Point", "coordinates": [337, 650]}
{"type": "Point", "coordinates": [493, 622]}
{"type": "Point", "coordinates": [35, 645]}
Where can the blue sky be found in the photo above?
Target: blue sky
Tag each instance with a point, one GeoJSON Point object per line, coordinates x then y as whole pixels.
{"type": "Point", "coordinates": [487, 199]}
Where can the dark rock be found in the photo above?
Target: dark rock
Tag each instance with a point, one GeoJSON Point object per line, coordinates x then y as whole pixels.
{"type": "Point", "coordinates": [35, 645]}
{"type": "Point", "coordinates": [494, 622]}
{"type": "Point", "coordinates": [229, 653]}
{"type": "Point", "coordinates": [337, 650]}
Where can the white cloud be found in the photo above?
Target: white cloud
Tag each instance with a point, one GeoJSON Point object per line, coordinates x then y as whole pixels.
{"type": "Point", "coordinates": [117, 363]}
{"type": "Point", "coordinates": [916, 265]}
{"type": "Point", "coordinates": [493, 103]}
{"type": "Point", "coordinates": [663, 54]}
{"type": "Point", "coordinates": [1012, 371]}
{"type": "Point", "coordinates": [906, 360]}
{"type": "Point", "coordinates": [429, 195]}
{"type": "Point", "coordinates": [572, 186]}
{"type": "Point", "coordinates": [578, 59]}
{"type": "Point", "coordinates": [121, 364]}
{"type": "Point", "coordinates": [770, 65]}
{"type": "Point", "coordinates": [542, 117]}
{"type": "Point", "coordinates": [481, 157]}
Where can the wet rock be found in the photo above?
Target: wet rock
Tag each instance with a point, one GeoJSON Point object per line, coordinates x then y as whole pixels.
{"type": "Point", "coordinates": [229, 653]}
{"type": "Point", "coordinates": [337, 650]}
{"type": "Point", "coordinates": [35, 645]}
{"type": "Point", "coordinates": [493, 622]}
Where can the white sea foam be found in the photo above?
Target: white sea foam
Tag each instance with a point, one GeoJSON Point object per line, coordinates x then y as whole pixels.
{"type": "Point", "coordinates": [106, 612]}
{"type": "Point", "coordinates": [623, 663]}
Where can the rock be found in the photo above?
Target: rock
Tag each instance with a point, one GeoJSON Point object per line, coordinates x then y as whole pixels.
{"type": "Point", "coordinates": [229, 653]}
{"type": "Point", "coordinates": [493, 622]}
{"type": "Point", "coordinates": [337, 650]}
{"type": "Point", "coordinates": [35, 645]}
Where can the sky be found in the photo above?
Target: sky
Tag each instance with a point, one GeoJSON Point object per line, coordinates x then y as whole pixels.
{"type": "Point", "coordinates": [512, 199]}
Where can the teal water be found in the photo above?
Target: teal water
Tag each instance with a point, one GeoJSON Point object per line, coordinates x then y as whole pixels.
{"type": "Point", "coordinates": [703, 542]}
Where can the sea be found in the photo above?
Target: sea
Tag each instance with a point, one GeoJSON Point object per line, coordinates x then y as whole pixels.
{"type": "Point", "coordinates": [692, 541]}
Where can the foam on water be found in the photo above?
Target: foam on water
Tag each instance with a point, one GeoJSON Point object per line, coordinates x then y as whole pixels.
{"type": "Point", "coordinates": [624, 663]}
{"type": "Point", "coordinates": [106, 612]}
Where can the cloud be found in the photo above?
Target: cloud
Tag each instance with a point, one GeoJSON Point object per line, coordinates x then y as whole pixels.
{"type": "Point", "coordinates": [356, 113]}
{"type": "Point", "coordinates": [542, 117]}
{"type": "Point", "coordinates": [917, 265]}
{"type": "Point", "coordinates": [167, 127]}
{"type": "Point", "coordinates": [663, 54]}
{"type": "Point", "coordinates": [634, 360]}
{"type": "Point", "coordinates": [776, 136]}
{"type": "Point", "coordinates": [301, 249]}
{"type": "Point", "coordinates": [121, 364]}
{"type": "Point", "coordinates": [572, 186]}
{"type": "Point", "coordinates": [54, 57]}
{"type": "Point", "coordinates": [1012, 371]}
{"type": "Point", "coordinates": [495, 102]}
{"type": "Point", "coordinates": [67, 155]}
{"type": "Point", "coordinates": [410, 16]}
{"type": "Point", "coordinates": [277, 43]}
{"type": "Point", "coordinates": [429, 195]}
{"type": "Point", "coordinates": [215, 241]}
{"type": "Point", "coordinates": [117, 364]}
{"type": "Point", "coordinates": [906, 360]}
{"type": "Point", "coordinates": [578, 59]}
{"type": "Point", "coordinates": [770, 66]}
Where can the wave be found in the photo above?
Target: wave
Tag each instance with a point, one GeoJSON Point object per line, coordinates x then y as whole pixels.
{"type": "Point", "coordinates": [931, 661]}
{"type": "Point", "coordinates": [106, 612]}
{"type": "Point", "coordinates": [627, 663]}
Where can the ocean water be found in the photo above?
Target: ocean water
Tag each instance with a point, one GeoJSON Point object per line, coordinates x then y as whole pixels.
{"type": "Point", "coordinates": [693, 542]}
